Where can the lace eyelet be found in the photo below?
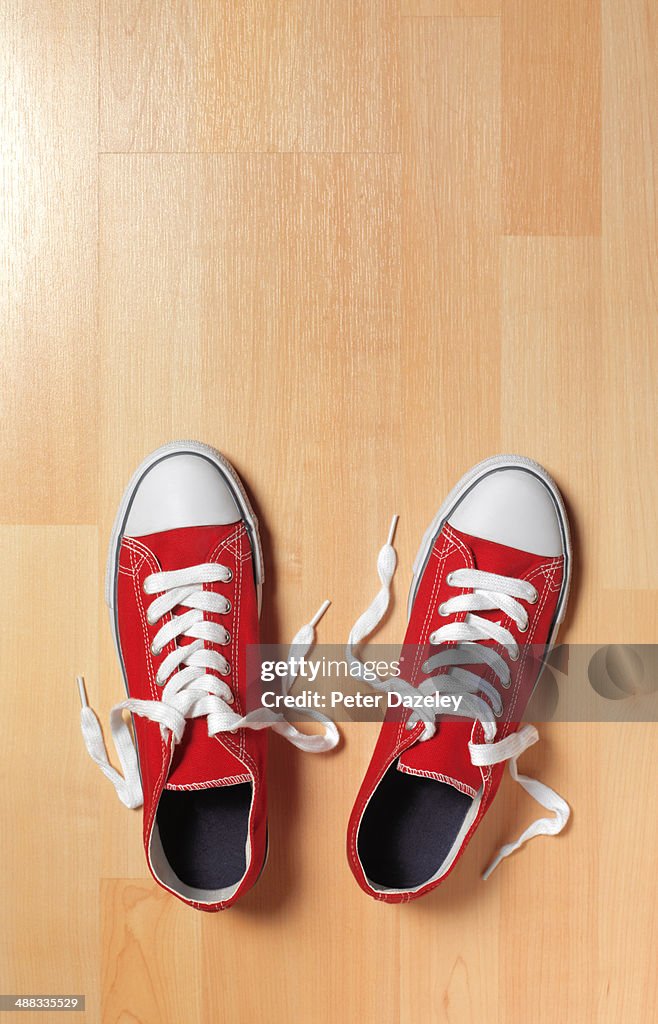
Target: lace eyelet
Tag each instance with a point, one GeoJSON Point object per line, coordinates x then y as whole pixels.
{"type": "Point", "coordinates": [442, 610]}
{"type": "Point", "coordinates": [155, 651]}
{"type": "Point", "coordinates": [524, 629]}
{"type": "Point", "coordinates": [534, 599]}
{"type": "Point", "coordinates": [226, 640]}
{"type": "Point", "coordinates": [449, 578]}
{"type": "Point", "coordinates": [227, 670]}
{"type": "Point", "coordinates": [228, 607]}
{"type": "Point", "coordinates": [229, 577]}
{"type": "Point", "coordinates": [513, 657]}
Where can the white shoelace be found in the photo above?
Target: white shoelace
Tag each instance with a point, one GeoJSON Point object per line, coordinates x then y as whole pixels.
{"type": "Point", "coordinates": [487, 592]}
{"type": "Point", "coordinates": [189, 691]}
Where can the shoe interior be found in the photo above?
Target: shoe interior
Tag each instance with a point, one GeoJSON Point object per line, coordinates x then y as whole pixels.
{"type": "Point", "coordinates": [410, 830]}
{"type": "Point", "coordinates": [200, 841]}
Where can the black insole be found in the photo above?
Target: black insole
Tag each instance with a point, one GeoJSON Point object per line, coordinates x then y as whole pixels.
{"type": "Point", "coordinates": [204, 834]}
{"type": "Point", "coordinates": [408, 829]}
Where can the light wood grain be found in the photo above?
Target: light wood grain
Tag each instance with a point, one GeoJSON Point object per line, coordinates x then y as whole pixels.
{"type": "Point", "coordinates": [48, 146]}
{"type": "Point", "coordinates": [451, 8]}
{"type": "Point", "coordinates": [146, 939]}
{"type": "Point", "coordinates": [302, 76]}
{"type": "Point", "coordinates": [552, 393]}
{"type": "Point", "coordinates": [50, 941]}
{"type": "Point", "coordinates": [629, 276]}
{"type": "Point", "coordinates": [551, 81]}
{"type": "Point", "coordinates": [357, 247]}
{"type": "Point", "coordinates": [451, 261]}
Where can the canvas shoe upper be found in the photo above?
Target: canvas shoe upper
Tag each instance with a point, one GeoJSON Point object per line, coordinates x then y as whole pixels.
{"type": "Point", "coordinates": [183, 587]}
{"type": "Point", "coordinates": [489, 590]}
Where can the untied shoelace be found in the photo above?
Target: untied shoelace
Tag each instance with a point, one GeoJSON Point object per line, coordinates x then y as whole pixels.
{"type": "Point", "coordinates": [488, 591]}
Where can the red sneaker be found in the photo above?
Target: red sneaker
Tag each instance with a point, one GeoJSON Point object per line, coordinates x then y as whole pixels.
{"type": "Point", "coordinates": [183, 586]}
{"type": "Point", "coordinates": [490, 580]}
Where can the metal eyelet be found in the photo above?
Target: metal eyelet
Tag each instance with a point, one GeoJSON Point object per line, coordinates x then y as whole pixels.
{"type": "Point", "coordinates": [227, 579]}
{"type": "Point", "coordinates": [524, 629]}
{"type": "Point", "coordinates": [442, 610]}
{"type": "Point", "coordinates": [449, 578]}
{"type": "Point", "coordinates": [533, 600]}
{"type": "Point", "coordinates": [513, 657]}
{"type": "Point", "coordinates": [155, 651]}
{"type": "Point", "coordinates": [227, 639]}
{"type": "Point", "coordinates": [228, 607]}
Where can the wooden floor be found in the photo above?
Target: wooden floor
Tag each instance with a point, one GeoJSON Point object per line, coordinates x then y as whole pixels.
{"type": "Point", "coordinates": [358, 247]}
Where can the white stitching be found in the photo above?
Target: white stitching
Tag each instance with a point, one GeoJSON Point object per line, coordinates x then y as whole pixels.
{"type": "Point", "coordinates": [226, 780]}
{"type": "Point", "coordinates": [441, 778]}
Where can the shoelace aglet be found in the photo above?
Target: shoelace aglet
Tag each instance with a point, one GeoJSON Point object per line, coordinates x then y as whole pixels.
{"type": "Point", "coordinates": [82, 691]}
{"type": "Point", "coordinates": [320, 612]}
{"type": "Point", "coordinates": [394, 526]}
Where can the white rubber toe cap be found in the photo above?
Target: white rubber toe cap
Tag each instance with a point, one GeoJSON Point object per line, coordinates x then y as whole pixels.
{"type": "Point", "coordinates": [512, 507]}
{"type": "Point", "coordinates": [180, 490]}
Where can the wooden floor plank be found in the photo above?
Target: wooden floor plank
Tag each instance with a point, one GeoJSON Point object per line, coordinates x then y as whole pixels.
{"type": "Point", "coordinates": [555, 949]}
{"type": "Point", "coordinates": [629, 275]}
{"type": "Point", "coordinates": [308, 75]}
{"type": "Point", "coordinates": [551, 117]}
{"type": "Point", "coordinates": [450, 265]}
{"type": "Point", "coordinates": [255, 303]}
{"type": "Point", "coordinates": [552, 402]}
{"type": "Point", "coordinates": [451, 8]}
{"type": "Point", "coordinates": [48, 133]}
{"type": "Point", "coordinates": [628, 928]}
{"type": "Point", "coordinates": [150, 955]}
{"type": "Point", "coordinates": [50, 942]}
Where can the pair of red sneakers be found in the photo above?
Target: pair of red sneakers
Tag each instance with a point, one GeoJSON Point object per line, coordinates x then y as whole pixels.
{"type": "Point", "coordinates": [183, 585]}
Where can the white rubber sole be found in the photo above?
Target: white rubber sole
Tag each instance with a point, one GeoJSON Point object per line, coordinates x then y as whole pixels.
{"type": "Point", "coordinates": [237, 490]}
{"type": "Point", "coordinates": [467, 482]}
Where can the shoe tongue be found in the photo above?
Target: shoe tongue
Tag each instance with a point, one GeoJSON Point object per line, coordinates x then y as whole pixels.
{"type": "Point", "coordinates": [498, 558]}
{"type": "Point", "coordinates": [200, 761]}
{"type": "Point", "coordinates": [203, 762]}
{"type": "Point", "coordinates": [189, 545]}
{"type": "Point", "coordinates": [445, 757]}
